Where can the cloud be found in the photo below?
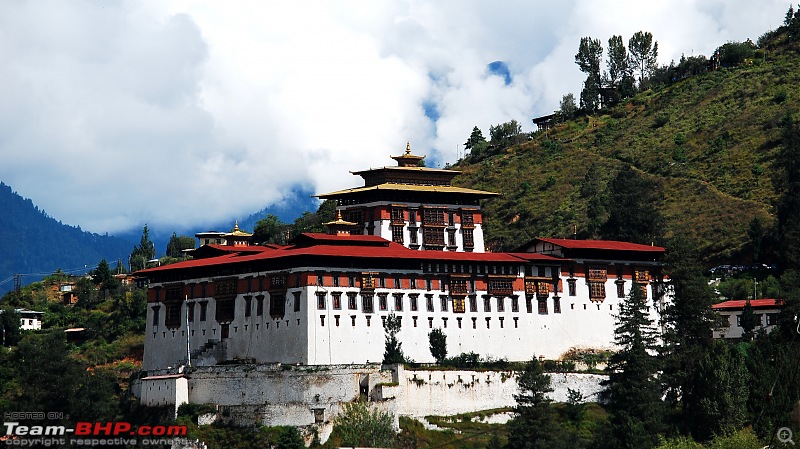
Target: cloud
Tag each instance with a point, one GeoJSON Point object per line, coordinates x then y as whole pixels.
{"type": "Point", "coordinates": [176, 113]}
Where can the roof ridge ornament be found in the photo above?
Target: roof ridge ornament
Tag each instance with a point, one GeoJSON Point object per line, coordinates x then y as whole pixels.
{"type": "Point", "coordinates": [408, 159]}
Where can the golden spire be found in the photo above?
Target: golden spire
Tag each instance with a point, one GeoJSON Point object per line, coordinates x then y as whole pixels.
{"type": "Point", "coordinates": [407, 159]}
{"type": "Point", "coordinates": [236, 226]}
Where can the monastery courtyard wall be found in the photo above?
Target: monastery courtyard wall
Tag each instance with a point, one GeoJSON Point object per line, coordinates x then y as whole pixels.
{"type": "Point", "coordinates": [311, 397]}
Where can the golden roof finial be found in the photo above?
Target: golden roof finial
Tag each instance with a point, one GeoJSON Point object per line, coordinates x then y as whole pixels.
{"type": "Point", "coordinates": [339, 215]}
{"type": "Point", "coordinates": [408, 147]}
{"type": "Point", "coordinates": [236, 226]}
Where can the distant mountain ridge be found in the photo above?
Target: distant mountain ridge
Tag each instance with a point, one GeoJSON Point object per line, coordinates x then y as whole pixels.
{"type": "Point", "coordinates": [34, 244]}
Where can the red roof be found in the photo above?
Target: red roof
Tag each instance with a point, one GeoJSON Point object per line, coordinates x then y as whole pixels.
{"type": "Point", "coordinates": [356, 246]}
{"type": "Point", "coordinates": [738, 304]}
{"type": "Point", "coordinates": [613, 245]}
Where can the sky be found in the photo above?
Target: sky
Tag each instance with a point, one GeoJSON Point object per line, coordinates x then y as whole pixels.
{"type": "Point", "coordinates": [114, 114]}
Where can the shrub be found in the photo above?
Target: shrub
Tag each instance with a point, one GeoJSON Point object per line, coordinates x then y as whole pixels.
{"type": "Point", "coordinates": [358, 426]}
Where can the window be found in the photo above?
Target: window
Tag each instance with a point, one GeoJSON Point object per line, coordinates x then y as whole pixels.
{"type": "Point", "coordinates": [571, 287]}
{"type": "Point", "coordinates": [458, 307]}
{"type": "Point", "coordinates": [412, 234]}
{"type": "Point", "coordinates": [351, 281]}
{"type": "Point", "coordinates": [429, 303]}
{"type": "Point", "coordinates": [487, 304]}
{"type": "Point", "coordinates": [514, 304]}
{"type": "Point", "coordinates": [398, 216]}
{"type": "Point", "coordinates": [458, 286]}
{"type": "Point", "coordinates": [321, 300]}
{"type": "Point", "coordinates": [597, 291]}
{"type": "Point", "coordinates": [469, 239]}
{"type": "Point", "coordinates": [155, 315]}
{"type": "Point", "coordinates": [444, 300]}
{"type": "Point", "coordinates": [413, 300]}
{"type": "Point", "coordinates": [501, 304]}
{"type": "Point", "coordinates": [433, 217]}
{"type": "Point", "coordinates": [556, 304]}
{"type": "Point", "coordinates": [542, 306]}
{"type": "Point", "coordinates": [296, 301]}
{"type": "Point", "coordinates": [597, 273]}
{"type": "Point", "coordinates": [336, 279]}
{"type": "Point", "coordinates": [397, 283]}
{"type": "Point", "coordinates": [451, 237]}
{"type": "Point", "coordinates": [248, 302]}
{"type": "Point", "coordinates": [190, 311]}
{"type": "Point", "coordinates": [620, 289]}
{"type": "Point", "coordinates": [367, 303]}
{"type": "Point", "coordinates": [529, 304]}
{"type": "Point", "coordinates": [473, 304]}
{"type": "Point", "coordinates": [225, 287]}
{"type": "Point", "coordinates": [203, 308]}
{"type": "Point", "coordinates": [337, 300]}
{"type": "Point", "coordinates": [367, 281]}
{"type": "Point", "coordinates": [351, 300]}
{"type": "Point", "coordinates": [467, 219]}
{"type": "Point", "coordinates": [772, 319]}
{"type": "Point", "coordinates": [225, 310]}
{"type": "Point", "coordinates": [501, 287]}
{"type": "Point", "coordinates": [542, 288]}
{"type": "Point", "coordinates": [430, 323]}
{"type": "Point", "coordinates": [397, 234]}
{"type": "Point", "coordinates": [383, 303]}
{"type": "Point", "coordinates": [398, 301]}
{"type": "Point", "coordinates": [259, 305]}
{"type": "Point", "coordinates": [173, 293]}
{"type": "Point", "coordinates": [320, 280]}
{"type": "Point", "coordinates": [277, 305]}
{"type": "Point", "coordinates": [428, 284]}
{"type": "Point", "coordinates": [433, 237]}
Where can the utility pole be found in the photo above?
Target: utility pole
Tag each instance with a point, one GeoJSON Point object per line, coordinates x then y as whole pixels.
{"type": "Point", "coordinates": [17, 283]}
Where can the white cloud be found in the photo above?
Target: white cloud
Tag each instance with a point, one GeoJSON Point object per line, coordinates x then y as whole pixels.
{"type": "Point", "coordinates": [176, 113]}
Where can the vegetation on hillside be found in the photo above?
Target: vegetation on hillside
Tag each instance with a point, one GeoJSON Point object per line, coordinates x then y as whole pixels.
{"type": "Point", "coordinates": [33, 243]}
{"type": "Point", "coordinates": [705, 135]}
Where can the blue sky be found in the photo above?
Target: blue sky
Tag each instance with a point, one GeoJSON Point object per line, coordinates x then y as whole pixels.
{"type": "Point", "coordinates": [174, 112]}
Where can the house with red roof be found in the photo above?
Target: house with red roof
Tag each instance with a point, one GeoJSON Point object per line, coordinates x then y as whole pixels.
{"type": "Point", "coordinates": [766, 312]}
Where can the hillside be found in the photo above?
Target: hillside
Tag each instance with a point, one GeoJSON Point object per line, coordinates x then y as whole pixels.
{"type": "Point", "coordinates": [31, 242]}
{"type": "Point", "coordinates": [708, 140]}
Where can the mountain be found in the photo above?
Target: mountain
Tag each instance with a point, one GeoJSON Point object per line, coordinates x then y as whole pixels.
{"type": "Point", "coordinates": [708, 140]}
{"type": "Point", "coordinates": [34, 244]}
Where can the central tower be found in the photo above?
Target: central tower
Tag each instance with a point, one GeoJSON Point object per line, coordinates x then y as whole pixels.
{"type": "Point", "coordinates": [415, 206]}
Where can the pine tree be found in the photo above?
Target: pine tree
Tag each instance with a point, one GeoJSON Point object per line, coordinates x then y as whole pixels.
{"type": "Point", "coordinates": [632, 391]}
{"type": "Point", "coordinates": [534, 425]}
{"type": "Point", "coordinates": [633, 209]}
{"type": "Point", "coordinates": [590, 51]}
{"type": "Point", "coordinates": [688, 321]}
{"type": "Point", "coordinates": [393, 352]}
{"type": "Point", "coordinates": [748, 321]}
{"type": "Point", "coordinates": [438, 345]}
{"type": "Point", "coordinates": [787, 185]}
{"type": "Point", "coordinates": [644, 54]}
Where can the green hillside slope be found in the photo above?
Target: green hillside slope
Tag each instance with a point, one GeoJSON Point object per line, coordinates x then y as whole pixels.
{"type": "Point", "coordinates": [708, 140]}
